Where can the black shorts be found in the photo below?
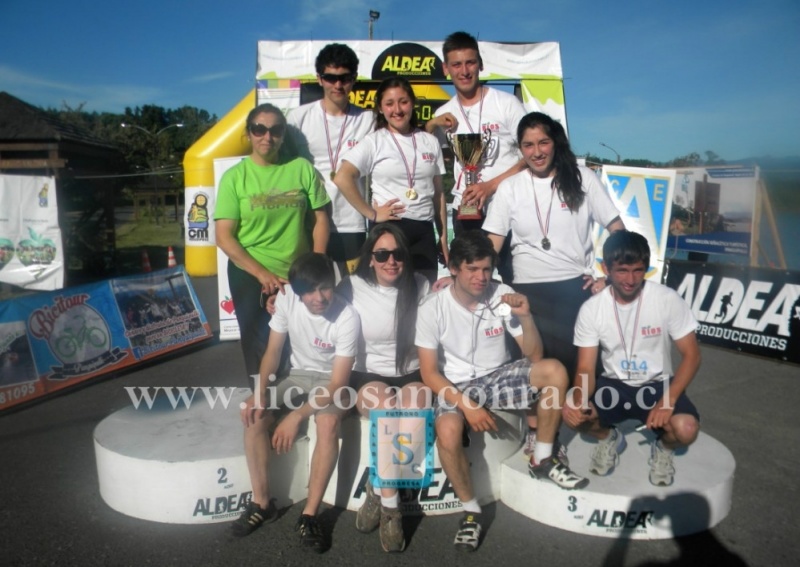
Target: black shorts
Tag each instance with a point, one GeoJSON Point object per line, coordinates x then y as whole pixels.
{"type": "Point", "coordinates": [616, 401]}
{"type": "Point", "coordinates": [359, 379]}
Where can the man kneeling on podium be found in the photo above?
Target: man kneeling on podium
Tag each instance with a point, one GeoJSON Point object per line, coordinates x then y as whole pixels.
{"type": "Point", "coordinates": [631, 323]}
{"type": "Point", "coordinates": [324, 331]}
{"type": "Point", "coordinates": [467, 323]}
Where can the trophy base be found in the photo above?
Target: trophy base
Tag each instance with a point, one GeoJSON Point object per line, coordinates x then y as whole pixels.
{"type": "Point", "coordinates": [469, 212]}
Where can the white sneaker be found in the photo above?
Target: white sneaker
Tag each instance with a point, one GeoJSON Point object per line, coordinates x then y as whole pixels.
{"type": "Point", "coordinates": [662, 471]}
{"type": "Point", "coordinates": [605, 455]}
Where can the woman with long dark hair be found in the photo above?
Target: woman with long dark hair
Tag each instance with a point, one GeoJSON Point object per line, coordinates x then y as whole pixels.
{"type": "Point", "coordinates": [386, 292]}
{"type": "Point", "coordinates": [406, 166]}
{"type": "Point", "coordinates": [550, 209]}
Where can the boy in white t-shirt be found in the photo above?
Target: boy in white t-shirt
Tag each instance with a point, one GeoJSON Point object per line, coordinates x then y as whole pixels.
{"type": "Point", "coordinates": [467, 323]}
{"type": "Point", "coordinates": [631, 323]}
{"type": "Point", "coordinates": [324, 130]}
{"type": "Point", "coordinates": [324, 331]}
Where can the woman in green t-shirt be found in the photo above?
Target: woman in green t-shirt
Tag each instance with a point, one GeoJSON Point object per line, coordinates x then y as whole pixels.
{"type": "Point", "coordinates": [271, 208]}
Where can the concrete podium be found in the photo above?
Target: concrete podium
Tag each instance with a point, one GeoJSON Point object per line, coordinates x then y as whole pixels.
{"type": "Point", "coordinates": [186, 466]}
{"type": "Point", "coordinates": [625, 504]}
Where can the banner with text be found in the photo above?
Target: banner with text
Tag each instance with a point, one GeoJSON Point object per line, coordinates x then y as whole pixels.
{"type": "Point", "coordinates": [712, 210]}
{"type": "Point", "coordinates": [753, 310]}
{"type": "Point", "coordinates": [31, 254]}
{"type": "Point", "coordinates": [51, 341]}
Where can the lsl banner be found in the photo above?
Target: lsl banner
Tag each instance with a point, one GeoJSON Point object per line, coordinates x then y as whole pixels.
{"type": "Point", "coordinates": [753, 310]}
{"type": "Point", "coordinates": [51, 341]}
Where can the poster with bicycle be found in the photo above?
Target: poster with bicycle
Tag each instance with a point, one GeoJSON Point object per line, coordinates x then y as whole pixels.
{"type": "Point", "coordinates": [54, 340]}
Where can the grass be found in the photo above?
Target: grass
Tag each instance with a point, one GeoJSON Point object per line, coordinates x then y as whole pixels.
{"type": "Point", "coordinates": [146, 232]}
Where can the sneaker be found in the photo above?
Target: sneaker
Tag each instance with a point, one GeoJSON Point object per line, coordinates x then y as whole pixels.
{"type": "Point", "coordinates": [392, 537]}
{"type": "Point", "coordinates": [530, 446]}
{"type": "Point", "coordinates": [369, 515]}
{"type": "Point", "coordinates": [605, 455]}
{"type": "Point", "coordinates": [311, 536]}
{"type": "Point", "coordinates": [468, 536]}
{"type": "Point", "coordinates": [662, 471]}
{"type": "Point", "coordinates": [553, 469]}
{"type": "Point", "coordinates": [252, 518]}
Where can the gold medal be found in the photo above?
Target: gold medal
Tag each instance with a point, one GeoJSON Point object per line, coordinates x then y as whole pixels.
{"type": "Point", "coordinates": [411, 194]}
{"type": "Point", "coordinates": [333, 174]}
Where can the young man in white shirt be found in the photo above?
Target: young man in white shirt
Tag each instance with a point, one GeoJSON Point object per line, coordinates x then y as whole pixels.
{"type": "Point", "coordinates": [467, 323]}
{"type": "Point", "coordinates": [324, 130]}
{"type": "Point", "coordinates": [324, 331]}
{"type": "Point", "coordinates": [631, 323]}
{"type": "Point", "coordinates": [476, 108]}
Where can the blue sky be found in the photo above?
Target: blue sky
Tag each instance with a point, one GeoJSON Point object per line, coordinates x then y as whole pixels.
{"type": "Point", "coordinates": [652, 79]}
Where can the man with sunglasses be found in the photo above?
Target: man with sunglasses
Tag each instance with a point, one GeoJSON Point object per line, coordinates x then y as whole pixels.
{"type": "Point", "coordinates": [324, 130]}
{"type": "Point", "coordinates": [467, 323]}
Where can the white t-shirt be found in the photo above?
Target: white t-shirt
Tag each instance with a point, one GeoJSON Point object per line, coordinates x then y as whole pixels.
{"type": "Point", "coordinates": [316, 339]}
{"type": "Point", "coordinates": [571, 251]}
{"type": "Point", "coordinates": [473, 343]}
{"type": "Point", "coordinates": [663, 315]}
{"type": "Point", "coordinates": [314, 143]}
{"type": "Point", "coordinates": [501, 113]}
{"type": "Point", "coordinates": [376, 307]}
{"type": "Point", "coordinates": [378, 155]}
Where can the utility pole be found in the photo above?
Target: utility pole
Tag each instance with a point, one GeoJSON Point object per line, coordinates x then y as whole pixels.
{"type": "Point", "coordinates": [373, 16]}
{"type": "Point", "coordinates": [619, 159]}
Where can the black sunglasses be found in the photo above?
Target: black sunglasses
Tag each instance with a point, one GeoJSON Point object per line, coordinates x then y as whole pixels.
{"type": "Point", "coordinates": [259, 130]}
{"type": "Point", "coordinates": [333, 78]}
{"type": "Point", "coordinates": [383, 255]}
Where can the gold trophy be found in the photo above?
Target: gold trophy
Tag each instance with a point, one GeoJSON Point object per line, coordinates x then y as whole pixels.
{"type": "Point", "coordinates": [469, 150]}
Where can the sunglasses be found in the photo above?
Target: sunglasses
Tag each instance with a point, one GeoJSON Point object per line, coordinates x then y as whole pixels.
{"type": "Point", "coordinates": [333, 78]}
{"type": "Point", "coordinates": [259, 130]}
{"type": "Point", "coordinates": [383, 255]}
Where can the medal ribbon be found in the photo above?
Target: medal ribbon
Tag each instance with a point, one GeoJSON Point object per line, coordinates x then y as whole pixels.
{"type": "Point", "coordinates": [410, 173]}
{"type": "Point", "coordinates": [545, 228]}
{"type": "Point", "coordinates": [480, 113]}
{"type": "Point", "coordinates": [334, 159]}
{"type": "Point", "coordinates": [635, 326]}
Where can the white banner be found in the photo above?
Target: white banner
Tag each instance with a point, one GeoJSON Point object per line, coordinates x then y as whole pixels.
{"type": "Point", "coordinates": [228, 325]}
{"type": "Point", "coordinates": [537, 66]}
{"type": "Point", "coordinates": [31, 252]}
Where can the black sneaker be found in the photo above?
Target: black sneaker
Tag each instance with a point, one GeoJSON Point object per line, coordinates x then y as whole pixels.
{"type": "Point", "coordinates": [468, 536]}
{"type": "Point", "coordinates": [554, 470]}
{"type": "Point", "coordinates": [252, 518]}
{"type": "Point", "coordinates": [311, 536]}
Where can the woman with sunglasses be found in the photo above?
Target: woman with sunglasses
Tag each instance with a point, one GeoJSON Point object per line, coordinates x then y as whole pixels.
{"type": "Point", "coordinates": [271, 209]}
{"type": "Point", "coordinates": [406, 166]}
{"type": "Point", "coordinates": [385, 292]}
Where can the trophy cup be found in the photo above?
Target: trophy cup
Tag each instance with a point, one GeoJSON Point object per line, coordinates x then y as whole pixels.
{"type": "Point", "coordinates": [469, 150]}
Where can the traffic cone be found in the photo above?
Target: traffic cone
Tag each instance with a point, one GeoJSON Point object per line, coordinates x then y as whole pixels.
{"type": "Point", "coordinates": [145, 262]}
{"type": "Point", "coordinates": [171, 263]}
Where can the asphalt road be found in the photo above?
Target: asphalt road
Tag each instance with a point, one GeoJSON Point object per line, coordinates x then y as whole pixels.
{"type": "Point", "coordinates": [51, 512]}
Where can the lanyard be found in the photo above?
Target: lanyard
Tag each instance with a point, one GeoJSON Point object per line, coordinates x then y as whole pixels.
{"type": "Point", "coordinates": [480, 113]}
{"type": "Point", "coordinates": [334, 159]}
{"type": "Point", "coordinates": [545, 228]}
{"type": "Point", "coordinates": [410, 172]}
{"type": "Point", "coordinates": [635, 326]}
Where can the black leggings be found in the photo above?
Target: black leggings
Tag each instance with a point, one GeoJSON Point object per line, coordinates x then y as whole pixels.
{"type": "Point", "coordinates": [555, 307]}
{"type": "Point", "coordinates": [252, 317]}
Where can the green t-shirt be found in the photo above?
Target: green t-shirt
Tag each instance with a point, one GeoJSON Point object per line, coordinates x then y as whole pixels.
{"type": "Point", "coordinates": [274, 206]}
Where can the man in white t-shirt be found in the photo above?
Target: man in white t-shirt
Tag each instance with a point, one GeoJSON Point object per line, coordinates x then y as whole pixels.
{"type": "Point", "coordinates": [324, 130]}
{"type": "Point", "coordinates": [324, 332]}
{"type": "Point", "coordinates": [474, 109]}
{"type": "Point", "coordinates": [467, 323]}
{"type": "Point", "coordinates": [631, 323]}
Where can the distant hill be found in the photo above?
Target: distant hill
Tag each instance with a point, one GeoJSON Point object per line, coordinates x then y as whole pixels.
{"type": "Point", "coordinates": [769, 162]}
